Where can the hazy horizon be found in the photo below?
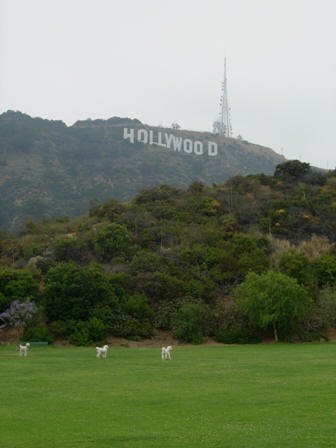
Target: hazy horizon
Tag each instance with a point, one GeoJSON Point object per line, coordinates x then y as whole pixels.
{"type": "Point", "coordinates": [162, 62]}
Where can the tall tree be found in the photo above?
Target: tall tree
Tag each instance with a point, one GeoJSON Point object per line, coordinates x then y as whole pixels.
{"type": "Point", "coordinates": [273, 299]}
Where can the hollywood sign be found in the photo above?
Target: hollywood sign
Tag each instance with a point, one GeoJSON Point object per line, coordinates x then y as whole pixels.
{"type": "Point", "coordinates": [170, 141]}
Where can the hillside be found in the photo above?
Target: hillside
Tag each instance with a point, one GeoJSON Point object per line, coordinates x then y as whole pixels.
{"type": "Point", "coordinates": [49, 169]}
{"type": "Point", "coordinates": [175, 260]}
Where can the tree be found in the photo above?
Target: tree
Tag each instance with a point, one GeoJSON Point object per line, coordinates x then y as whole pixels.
{"type": "Point", "coordinates": [273, 299]}
{"type": "Point", "coordinates": [72, 291]}
{"type": "Point", "coordinates": [149, 261]}
{"type": "Point", "coordinates": [242, 255]}
{"type": "Point", "coordinates": [113, 240]}
{"type": "Point", "coordinates": [296, 265]}
{"type": "Point", "coordinates": [69, 249]}
{"type": "Point", "coordinates": [324, 270]}
{"type": "Point", "coordinates": [293, 169]}
{"type": "Point", "coordinates": [18, 315]}
{"type": "Point", "coordinates": [16, 285]}
{"type": "Point", "coordinates": [190, 322]}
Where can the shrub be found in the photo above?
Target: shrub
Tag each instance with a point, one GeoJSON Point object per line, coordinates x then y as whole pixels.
{"type": "Point", "coordinates": [137, 306]}
{"type": "Point", "coordinates": [81, 335]}
{"type": "Point", "coordinates": [72, 291]}
{"type": "Point", "coordinates": [146, 261]}
{"type": "Point", "coordinates": [38, 333]}
{"type": "Point", "coordinates": [164, 314]}
{"type": "Point", "coordinates": [111, 241]}
{"type": "Point", "coordinates": [59, 329]}
{"type": "Point", "coordinates": [117, 323]}
{"type": "Point", "coordinates": [97, 329]}
{"type": "Point", "coordinates": [139, 320]}
{"type": "Point", "coordinates": [324, 270]}
{"type": "Point", "coordinates": [69, 249]}
{"type": "Point", "coordinates": [19, 315]}
{"type": "Point", "coordinates": [236, 335]}
{"type": "Point", "coordinates": [16, 285]}
{"type": "Point", "coordinates": [295, 265]}
{"type": "Point", "coordinates": [31, 250]}
{"type": "Point", "coordinates": [136, 329]}
{"type": "Point", "coordinates": [327, 306]}
{"type": "Point", "coordinates": [189, 323]}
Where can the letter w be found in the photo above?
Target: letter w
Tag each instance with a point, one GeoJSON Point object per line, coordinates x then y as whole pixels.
{"type": "Point", "coordinates": [177, 142]}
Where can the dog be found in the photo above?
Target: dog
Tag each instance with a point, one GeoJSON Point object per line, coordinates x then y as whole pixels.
{"type": "Point", "coordinates": [165, 352]}
{"type": "Point", "coordinates": [24, 349]}
{"type": "Point", "coordinates": [102, 351]}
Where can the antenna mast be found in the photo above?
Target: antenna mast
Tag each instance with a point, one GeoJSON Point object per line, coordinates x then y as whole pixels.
{"type": "Point", "coordinates": [223, 125]}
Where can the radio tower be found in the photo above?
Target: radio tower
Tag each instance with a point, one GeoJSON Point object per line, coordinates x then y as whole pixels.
{"type": "Point", "coordinates": [223, 125]}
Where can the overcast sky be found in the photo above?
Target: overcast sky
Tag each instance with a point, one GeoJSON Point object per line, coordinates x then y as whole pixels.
{"type": "Point", "coordinates": [162, 62]}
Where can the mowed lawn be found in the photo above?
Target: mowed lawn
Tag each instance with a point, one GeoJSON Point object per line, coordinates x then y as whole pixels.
{"type": "Point", "coordinates": [208, 396]}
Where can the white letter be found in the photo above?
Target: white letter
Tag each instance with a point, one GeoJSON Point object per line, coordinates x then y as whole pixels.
{"type": "Point", "coordinates": [188, 146]}
{"type": "Point", "coordinates": [169, 139]}
{"type": "Point", "coordinates": [159, 143]}
{"type": "Point", "coordinates": [142, 136]}
{"type": "Point", "coordinates": [177, 142]}
{"type": "Point", "coordinates": [212, 149]}
{"type": "Point", "coordinates": [129, 134]}
{"type": "Point", "coordinates": [198, 148]}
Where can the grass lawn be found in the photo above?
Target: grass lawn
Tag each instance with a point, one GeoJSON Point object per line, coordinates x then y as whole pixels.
{"type": "Point", "coordinates": [256, 396]}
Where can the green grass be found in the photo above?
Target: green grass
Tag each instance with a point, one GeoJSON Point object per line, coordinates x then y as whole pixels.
{"type": "Point", "coordinates": [223, 396]}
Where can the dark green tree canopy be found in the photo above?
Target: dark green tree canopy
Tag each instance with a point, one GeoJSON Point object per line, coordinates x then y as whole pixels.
{"type": "Point", "coordinates": [293, 169]}
{"type": "Point", "coordinates": [72, 291]}
{"type": "Point", "coordinates": [112, 241]}
{"type": "Point", "coordinates": [16, 284]}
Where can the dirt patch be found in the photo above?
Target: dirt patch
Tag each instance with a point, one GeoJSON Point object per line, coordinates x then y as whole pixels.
{"type": "Point", "coordinates": [159, 339]}
{"type": "Point", "coordinates": [331, 334]}
{"type": "Point", "coordinates": [9, 336]}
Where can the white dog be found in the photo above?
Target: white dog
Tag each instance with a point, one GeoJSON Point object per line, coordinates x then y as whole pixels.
{"type": "Point", "coordinates": [24, 349]}
{"type": "Point", "coordinates": [165, 353]}
{"type": "Point", "coordinates": [102, 351]}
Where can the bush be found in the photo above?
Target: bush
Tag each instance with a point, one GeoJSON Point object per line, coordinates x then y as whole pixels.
{"type": "Point", "coordinates": [137, 329]}
{"type": "Point", "coordinates": [59, 329]}
{"type": "Point", "coordinates": [189, 323]}
{"type": "Point", "coordinates": [97, 329]}
{"type": "Point", "coordinates": [71, 291]}
{"type": "Point", "coordinates": [16, 285]}
{"type": "Point", "coordinates": [80, 332]}
{"type": "Point", "coordinates": [236, 335]}
{"type": "Point", "coordinates": [324, 270]}
{"type": "Point", "coordinates": [116, 323]}
{"type": "Point", "coordinates": [37, 334]}
{"type": "Point", "coordinates": [164, 314]}
{"type": "Point", "coordinates": [132, 319]}
{"type": "Point", "coordinates": [81, 335]}
{"type": "Point", "coordinates": [146, 261]}
{"type": "Point", "coordinates": [111, 241]}
{"type": "Point", "coordinates": [139, 322]}
{"type": "Point", "coordinates": [69, 249]}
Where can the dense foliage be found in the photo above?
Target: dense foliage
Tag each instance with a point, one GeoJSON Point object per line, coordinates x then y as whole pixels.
{"type": "Point", "coordinates": [273, 299]}
{"type": "Point", "coordinates": [237, 261]}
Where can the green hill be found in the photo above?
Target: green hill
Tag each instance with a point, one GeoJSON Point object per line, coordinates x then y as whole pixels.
{"type": "Point", "coordinates": [49, 169]}
{"type": "Point", "coordinates": [186, 261]}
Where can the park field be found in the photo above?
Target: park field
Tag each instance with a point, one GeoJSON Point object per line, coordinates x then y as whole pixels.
{"type": "Point", "coordinates": [254, 396]}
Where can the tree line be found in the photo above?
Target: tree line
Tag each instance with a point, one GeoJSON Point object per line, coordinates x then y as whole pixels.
{"type": "Point", "coordinates": [251, 258]}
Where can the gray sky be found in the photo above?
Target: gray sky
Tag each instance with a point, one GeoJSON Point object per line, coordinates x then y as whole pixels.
{"type": "Point", "coordinates": [162, 61]}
